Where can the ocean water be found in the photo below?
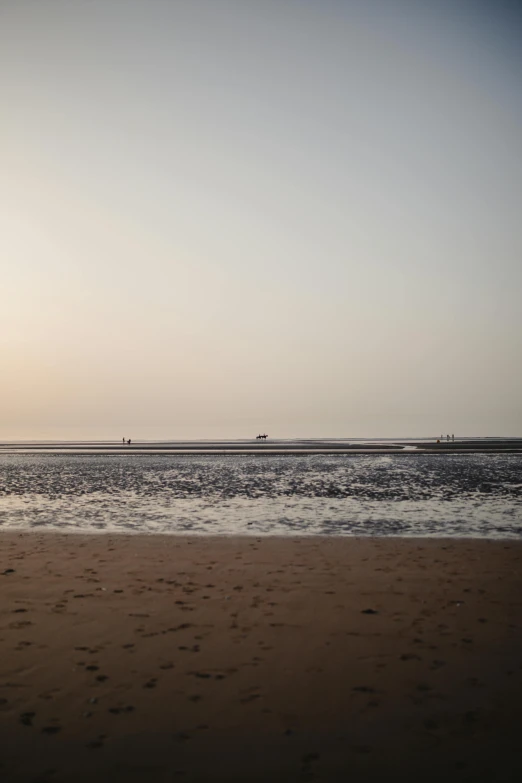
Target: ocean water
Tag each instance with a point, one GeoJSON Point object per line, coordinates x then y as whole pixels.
{"type": "Point", "coordinates": [475, 495]}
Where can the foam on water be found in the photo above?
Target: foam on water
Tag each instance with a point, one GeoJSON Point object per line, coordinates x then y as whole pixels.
{"type": "Point", "coordinates": [452, 495]}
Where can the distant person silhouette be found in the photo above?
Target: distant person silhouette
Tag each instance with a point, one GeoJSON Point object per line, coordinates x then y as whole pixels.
{"type": "Point", "coordinates": [447, 438]}
{"type": "Point", "coordinates": [123, 440]}
{"type": "Point", "coordinates": [129, 441]}
{"type": "Point", "coordinates": [453, 437]}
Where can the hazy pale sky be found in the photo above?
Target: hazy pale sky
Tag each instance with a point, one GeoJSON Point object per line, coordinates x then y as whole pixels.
{"type": "Point", "coordinates": [220, 217]}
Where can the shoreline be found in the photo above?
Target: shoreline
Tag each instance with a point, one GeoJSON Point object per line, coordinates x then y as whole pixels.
{"type": "Point", "coordinates": [103, 533]}
{"type": "Point", "coordinates": [153, 656]}
{"type": "Point", "coordinates": [266, 452]}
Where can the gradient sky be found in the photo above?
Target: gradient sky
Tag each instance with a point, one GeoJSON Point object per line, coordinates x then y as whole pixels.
{"type": "Point", "coordinates": [220, 217]}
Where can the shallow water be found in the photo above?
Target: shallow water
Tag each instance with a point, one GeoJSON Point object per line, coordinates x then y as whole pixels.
{"type": "Point", "coordinates": [475, 495]}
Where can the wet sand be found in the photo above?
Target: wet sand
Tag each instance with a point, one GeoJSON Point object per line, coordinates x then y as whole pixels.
{"type": "Point", "coordinates": [158, 658]}
{"type": "Point", "coordinates": [270, 446]}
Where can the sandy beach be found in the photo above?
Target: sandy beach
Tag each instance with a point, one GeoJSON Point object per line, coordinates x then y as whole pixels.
{"type": "Point", "coordinates": [252, 659]}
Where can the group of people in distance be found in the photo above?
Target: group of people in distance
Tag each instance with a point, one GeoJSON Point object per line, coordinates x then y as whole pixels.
{"type": "Point", "coordinates": [126, 441]}
{"type": "Point", "coordinates": [448, 438]}
{"type": "Point", "coordinates": [261, 437]}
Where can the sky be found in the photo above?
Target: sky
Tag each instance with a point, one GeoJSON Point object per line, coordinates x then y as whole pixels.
{"type": "Point", "coordinates": [225, 217]}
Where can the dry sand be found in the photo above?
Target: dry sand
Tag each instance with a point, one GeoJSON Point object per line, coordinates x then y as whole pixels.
{"type": "Point", "coordinates": [243, 659]}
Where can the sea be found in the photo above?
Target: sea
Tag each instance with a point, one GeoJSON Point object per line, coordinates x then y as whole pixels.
{"type": "Point", "coordinates": [397, 491]}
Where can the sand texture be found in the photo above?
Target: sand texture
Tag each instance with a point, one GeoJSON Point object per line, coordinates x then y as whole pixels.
{"type": "Point", "coordinates": [242, 659]}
